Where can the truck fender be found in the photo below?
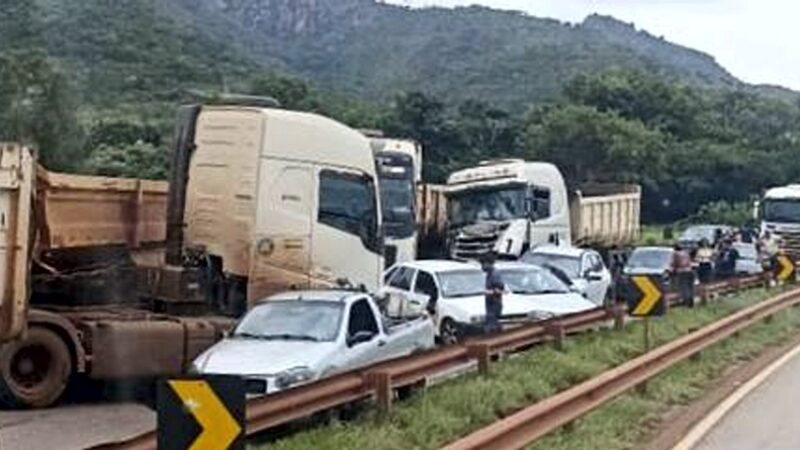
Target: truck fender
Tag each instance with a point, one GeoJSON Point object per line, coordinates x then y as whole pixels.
{"type": "Point", "coordinates": [66, 330]}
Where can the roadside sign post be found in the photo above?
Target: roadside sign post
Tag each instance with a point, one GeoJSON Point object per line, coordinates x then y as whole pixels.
{"type": "Point", "coordinates": [645, 299]}
{"type": "Point", "coordinates": [204, 413]}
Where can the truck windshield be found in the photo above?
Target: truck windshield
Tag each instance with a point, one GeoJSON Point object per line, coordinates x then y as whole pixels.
{"type": "Point", "coordinates": [782, 211]}
{"type": "Point", "coordinates": [397, 201]}
{"type": "Point", "coordinates": [486, 205]}
{"type": "Point", "coordinates": [292, 320]}
{"type": "Point", "coordinates": [462, 283]}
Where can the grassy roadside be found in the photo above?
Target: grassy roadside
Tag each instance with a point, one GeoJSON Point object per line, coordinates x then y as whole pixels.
{"type": "Point", "coordinates": [625, 422]}
{"type": "Point", "coordinates": [455, 408]}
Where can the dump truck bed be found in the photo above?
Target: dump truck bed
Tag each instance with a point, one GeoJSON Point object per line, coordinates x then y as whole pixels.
{"type": "Point", "coordinates": [606, 215]}
{"type": "Point", "coordinates": [78, 211]}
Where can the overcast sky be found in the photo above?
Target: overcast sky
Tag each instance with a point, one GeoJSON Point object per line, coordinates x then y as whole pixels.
{"type": "Point", "coordinates": [758, 41]}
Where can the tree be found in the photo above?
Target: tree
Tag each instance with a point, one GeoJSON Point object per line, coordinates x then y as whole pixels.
{"type": "Point", "coordinates": [37, 108]}
{"type": "Point", "coordinates": [137, 160]}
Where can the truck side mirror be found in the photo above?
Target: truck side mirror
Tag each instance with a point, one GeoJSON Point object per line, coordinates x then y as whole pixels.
{"type": "Point", "coordinates": [756, 209]}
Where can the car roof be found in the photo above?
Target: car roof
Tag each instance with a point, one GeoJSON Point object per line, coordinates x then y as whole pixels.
{"type": "Point", "coordinates": [560, 250]}
{"type": "Point", "coordinates": [653, 249]}
{"type": "Point", "coordinates": [439, 265]}
{"type": "Point", "coordinates": [332, 295]}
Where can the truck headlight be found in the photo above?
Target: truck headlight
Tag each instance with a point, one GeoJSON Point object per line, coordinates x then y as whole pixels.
{"type": "Point", "coordinates": [293, 376]}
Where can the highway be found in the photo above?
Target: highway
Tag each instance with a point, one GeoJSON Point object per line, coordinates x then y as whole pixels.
{"type": "Point", "coordinates": [73, 426]}
{"type": "Point", "coordinates": [766, 418]}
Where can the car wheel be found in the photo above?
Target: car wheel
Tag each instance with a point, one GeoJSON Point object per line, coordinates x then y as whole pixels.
{"type": "Point", "coordinates": [449, 333]}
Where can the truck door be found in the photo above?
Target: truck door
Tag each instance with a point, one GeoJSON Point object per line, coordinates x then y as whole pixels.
{"type": "Point", "coordinates": [281, 256]}
{"type": "Point", "coordinates": [346, 242]}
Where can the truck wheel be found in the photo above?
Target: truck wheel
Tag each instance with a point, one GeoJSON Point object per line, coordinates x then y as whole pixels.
{"type": "Point", "coordinates": [449, 333]}
{"type": "Point", "coordinates": [34, 372]}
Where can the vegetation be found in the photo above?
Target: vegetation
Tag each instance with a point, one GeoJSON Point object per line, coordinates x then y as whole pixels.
{"type": "Point", "coordinates": [93, 85]}
{"type": "Point", "coordinates": [455, 408]}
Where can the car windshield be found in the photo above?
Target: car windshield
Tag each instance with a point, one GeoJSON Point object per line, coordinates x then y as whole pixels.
{"type": "Point", "coordinates": [570, 265]}
{"type": "Point", "coordinates": [699, 233]}
{"type": "Point", "coordinates": [781, 211]}
{"type": "Point", "coordinates": [397, 201]}
{"type": "Point", "coordinates": [462, 283]}
{"type": "Point", "coordinates": [486, 204]}
{"type": "Point", "coordinates": [531, 280]}
{"type": "Point", "coordinates": [292, 320]}
{"type": "Point", "coordinates": [658, 259]}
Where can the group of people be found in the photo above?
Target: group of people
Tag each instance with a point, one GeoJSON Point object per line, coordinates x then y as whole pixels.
{"type": "Point", "coordinates": [718, 260]}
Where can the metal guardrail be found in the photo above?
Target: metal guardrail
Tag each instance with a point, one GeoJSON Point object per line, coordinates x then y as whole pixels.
{"type": "Point", "coordinates": [522, 428]}
{"type": "Point", "coordinates": [380, 380]}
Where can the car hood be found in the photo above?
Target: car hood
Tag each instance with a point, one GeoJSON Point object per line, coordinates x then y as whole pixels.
{"type": "Point", "coordinates": [258, 357]}
{"type": "Point", "coordinates": [558, 304]}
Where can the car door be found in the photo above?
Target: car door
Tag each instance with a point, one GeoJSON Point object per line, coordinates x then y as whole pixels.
{"type": "Point", "coordinates": [425, 295]}
{"type": "Point", "coordinates": [399, 289]}
{"type": "Point", "coordinates": [598, 278]}
{"type": "Point", "coordinates": [361, 319]}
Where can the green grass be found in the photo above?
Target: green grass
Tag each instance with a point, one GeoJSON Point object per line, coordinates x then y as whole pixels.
{"type": "Point", "coordinates": [653, 235]}
{"type": "Point", "coordinates": [456, 408]}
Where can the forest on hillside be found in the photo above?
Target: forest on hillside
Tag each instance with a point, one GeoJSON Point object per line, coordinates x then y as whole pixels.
{"type": "Point", "coordinates": [102, 100]}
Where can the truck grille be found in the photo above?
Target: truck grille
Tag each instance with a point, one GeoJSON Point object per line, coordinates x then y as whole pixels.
{"type": "Point", "coordinates": [791, 244]}
{"type": "Point", "coordinates": [473, 247]}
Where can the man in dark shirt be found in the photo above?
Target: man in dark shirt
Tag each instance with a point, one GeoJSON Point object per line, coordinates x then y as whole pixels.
{"type": "Point", "coordinates": [494, 294]}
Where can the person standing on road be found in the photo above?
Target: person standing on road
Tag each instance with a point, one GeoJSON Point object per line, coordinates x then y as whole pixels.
{"type": "Point", "coordinates": [493, 294]}
{"type": "Point", "coordinates": [681, 268]}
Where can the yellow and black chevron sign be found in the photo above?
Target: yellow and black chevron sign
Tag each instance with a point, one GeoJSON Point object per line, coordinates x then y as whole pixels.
{"type": "Point", "coordinates": [785, 268]}
{"type": "Point", "coordinates": [201, 414]}
{"type": "Point", "coordinates": [645, 297]}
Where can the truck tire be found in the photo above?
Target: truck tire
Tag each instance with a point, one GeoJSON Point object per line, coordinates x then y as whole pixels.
{"type": "Point", "coordinates": [34, 371]}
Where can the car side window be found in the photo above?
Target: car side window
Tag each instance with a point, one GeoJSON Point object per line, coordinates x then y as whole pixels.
{"type": "Point", "coordinates": [361, 319]}
{"type": "Point", "coordinates": [425, 284]}
{"type": "Point", "coordinates": [402, 278]}
{"type": "Point", "coordinates": [389, 274]}
{"type": "Point", "coordinates": [597, 263]}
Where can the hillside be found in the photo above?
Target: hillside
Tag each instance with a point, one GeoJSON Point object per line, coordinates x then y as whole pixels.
{"type": "Point", "coordinates": [142, 50]}
{"type": "Point", "coordinates": [374, 49]}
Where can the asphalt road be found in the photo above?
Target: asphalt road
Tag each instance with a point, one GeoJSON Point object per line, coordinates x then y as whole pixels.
{"type": "Point", "coordinates": [768, 418]}
{"type": "Point", "coordinates": [73, 426]}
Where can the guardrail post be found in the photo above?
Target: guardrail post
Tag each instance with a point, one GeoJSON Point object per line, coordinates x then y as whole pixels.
{"type": "Point", "coordinates": [382, 382]}
{"type": "Point", "coordinates": [556, 331]}
{"type": "Point", "coordinates": [703, 295]}
{"type": "Point", "coordinates": [619, 317]}
{"type": "Point", "coordinates": [481, 353]}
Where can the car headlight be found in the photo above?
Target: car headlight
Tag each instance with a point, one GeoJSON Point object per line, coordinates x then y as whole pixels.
{"type": "Point", "coordinates": [293, 376]}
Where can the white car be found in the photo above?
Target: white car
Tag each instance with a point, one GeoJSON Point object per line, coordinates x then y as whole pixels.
{"type": "Point", "coordinates": [453, 292]}
{"type": "Point", "coordinates": [297, 337]}
{"type": "Point", "coordinates": [749, 261]}
{"type": "Point", "coordinates": [585, 268]}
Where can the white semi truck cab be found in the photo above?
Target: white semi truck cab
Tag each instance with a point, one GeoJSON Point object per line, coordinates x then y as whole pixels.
{"type": "Point", "coordinates": [506, 206]}
{"type": "Point", "coordinates": [779, 211]}
{"type": "Point", "coordinates": [399, 166]}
